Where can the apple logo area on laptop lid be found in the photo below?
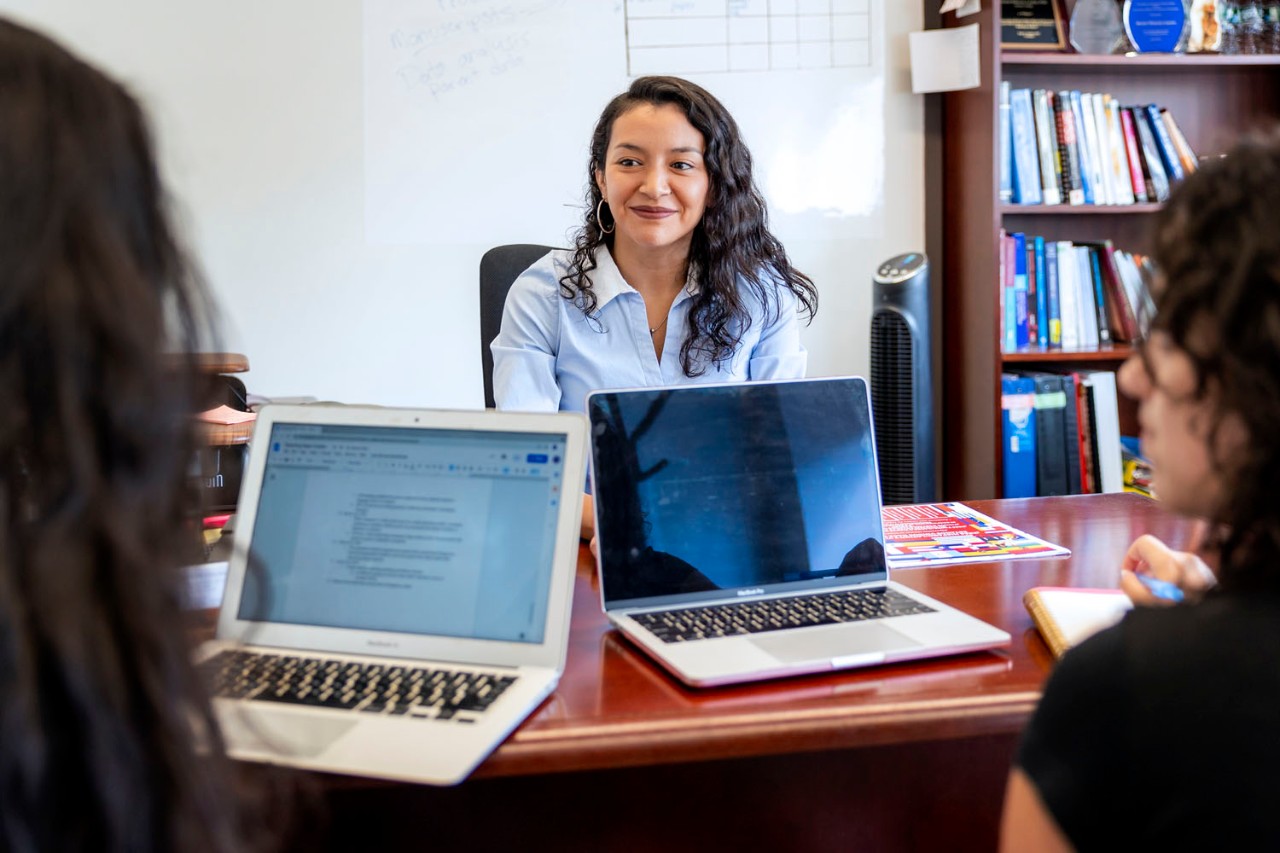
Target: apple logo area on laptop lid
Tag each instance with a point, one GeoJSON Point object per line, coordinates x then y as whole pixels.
{"type": "Point", "coordinates": [750, 487]}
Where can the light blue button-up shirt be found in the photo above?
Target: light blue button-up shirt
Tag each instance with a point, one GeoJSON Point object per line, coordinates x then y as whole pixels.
{"type": "Point", "coordinates": [549, 355]}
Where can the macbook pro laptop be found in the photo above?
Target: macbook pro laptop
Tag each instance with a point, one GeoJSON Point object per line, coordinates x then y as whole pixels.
{"type": "Point", "coordinates": [398, 597]}
{"type": "Point", "coordinates": [740, 534]}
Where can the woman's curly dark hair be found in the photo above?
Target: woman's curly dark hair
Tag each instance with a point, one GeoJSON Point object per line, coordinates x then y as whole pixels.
{"type": "Point", "coordinates": [1217, 249]}
{"type": "Point", "coordinates": [107, 739]}
{"type": "Point", "coordinates": [732, 244]}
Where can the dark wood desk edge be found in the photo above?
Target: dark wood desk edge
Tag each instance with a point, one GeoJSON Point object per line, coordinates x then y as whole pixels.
{"type": "Point", "coordinates": [784, 731]}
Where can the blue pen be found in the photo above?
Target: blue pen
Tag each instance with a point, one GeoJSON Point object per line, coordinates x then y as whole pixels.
{"type": "Point", "coordinates": [1159, 588]}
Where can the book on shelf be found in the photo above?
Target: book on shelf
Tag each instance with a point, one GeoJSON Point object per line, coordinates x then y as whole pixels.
{"type": "Point", "coordinates": [1051, 435]}
{"type": "Point", "coordinates": [1105, 432]}
{"type": "Point", "coordinates": [1053, 297]}
{"type": "Point", "coordinates": [1071, 434]}
{"type": "Point", "coordinates": [1046, 146]}
{"type": "Point", "coordinates": [1169, 158]}
{"type": "Point", "coordinates": [1185, 154]}
{"type": "Point", "coordinates": [1026, 161]}
{"type": "Point", "coordinates": [1136, 178]}
{"type": "Point", "coordinates": [1067, 617]}
{"type": "Point", "coordinates": [1121, 180]}
{"type": "Point", "coordinates": [1008, 312]}
{"type": "Point", "coordinates": [1033, 284]}
{"type": "Point", "coordinates": [1099, 295]}
{"type": "Point", "coordinates": [1022, 328]}
{"type": "Point", "coordinates": [1006, 152]}
{"type": "Point", "coordinates": [1068, 148]}
{"type": "Point", "coordinates": [1042, 292]}
{"type": "Point", "coordinates": [1152, 167]}
{"type": "Point", "coordinates": [1068, 295]}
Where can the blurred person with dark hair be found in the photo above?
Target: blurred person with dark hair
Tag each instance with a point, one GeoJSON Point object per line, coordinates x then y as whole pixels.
{"type": "Point", "coordinates": [107, 738]}
{"type": "Point", "coordinates": [1163, 732]}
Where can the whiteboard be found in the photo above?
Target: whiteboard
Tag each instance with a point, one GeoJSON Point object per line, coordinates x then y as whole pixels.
{"type": "Point", "coordinates": [340, 167]}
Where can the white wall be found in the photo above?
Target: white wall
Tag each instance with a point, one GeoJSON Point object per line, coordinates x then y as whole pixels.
{"type": "Point", "coordinates": [260, 108]}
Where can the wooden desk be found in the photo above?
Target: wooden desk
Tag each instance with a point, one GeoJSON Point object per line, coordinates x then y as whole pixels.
{"type": "Point", "coordinates": [903, 757]}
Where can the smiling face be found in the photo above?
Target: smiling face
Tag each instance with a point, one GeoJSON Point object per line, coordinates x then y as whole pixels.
{"type": "Point", "coordinates": [1178, 427]}
{"type": "Point", "coordinates": [654, 179]}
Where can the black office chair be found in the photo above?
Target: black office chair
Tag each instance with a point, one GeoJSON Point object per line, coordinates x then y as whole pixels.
{"type": "Point", "coordinates": [499, 268]}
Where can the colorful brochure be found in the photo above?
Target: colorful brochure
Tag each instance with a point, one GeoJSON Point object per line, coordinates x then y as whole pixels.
{"type": "Point", "coordinates": [950, 533]}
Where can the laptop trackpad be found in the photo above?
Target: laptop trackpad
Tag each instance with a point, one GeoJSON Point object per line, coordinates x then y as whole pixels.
{"type": "Point", "coordinates": [284, 734]}
{"type": "Point", "coordinates": [835, 642]}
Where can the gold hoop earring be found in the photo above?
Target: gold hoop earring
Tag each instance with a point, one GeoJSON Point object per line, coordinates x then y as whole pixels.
{"type": "Point", "coordinates": [600, 220]}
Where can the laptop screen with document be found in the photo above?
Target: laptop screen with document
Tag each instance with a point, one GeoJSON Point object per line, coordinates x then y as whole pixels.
{"type": "Point", "coordinates": [427, 531]}
{"type": "Point", "coordinates": [757, 486]}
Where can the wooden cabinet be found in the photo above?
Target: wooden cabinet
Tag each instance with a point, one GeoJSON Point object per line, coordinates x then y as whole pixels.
{"type": "Point", "coordinates": [1214, 99]}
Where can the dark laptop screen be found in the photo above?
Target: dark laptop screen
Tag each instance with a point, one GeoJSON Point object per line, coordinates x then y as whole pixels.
{"type": "Point", "coordinates": [423, 531]}
{"type": "Point", "coordinates": [701, 489]}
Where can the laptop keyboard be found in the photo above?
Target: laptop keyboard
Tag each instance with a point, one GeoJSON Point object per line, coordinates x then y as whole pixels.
{"type": "Point", "coordinates": [777, 614]}
{"type": "Point", "coordinates": [434, 694]}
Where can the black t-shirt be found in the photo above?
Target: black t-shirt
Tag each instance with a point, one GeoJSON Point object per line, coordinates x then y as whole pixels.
{"type": "Point", "coordinates": [1164, 731]}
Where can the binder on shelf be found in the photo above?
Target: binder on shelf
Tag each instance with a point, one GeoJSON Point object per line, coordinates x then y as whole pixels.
{"type": "Point", "coordinates": [1017, 403]}
{"type": "Point", "coordinates": [1071, 434]}
{"type": "Point", "coordinates": [1051, 435]}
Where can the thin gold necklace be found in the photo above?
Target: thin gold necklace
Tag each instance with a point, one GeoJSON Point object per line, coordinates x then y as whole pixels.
{"type": "Point", "coordinates": [655, 329]}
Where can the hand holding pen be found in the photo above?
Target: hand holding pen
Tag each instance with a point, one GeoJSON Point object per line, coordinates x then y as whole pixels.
{"type": "Point", "coordinates": [1154, 574]}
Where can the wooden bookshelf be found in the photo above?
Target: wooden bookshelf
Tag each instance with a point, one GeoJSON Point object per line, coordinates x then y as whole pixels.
{"type": "Point", "coordinates": [1214, 98]}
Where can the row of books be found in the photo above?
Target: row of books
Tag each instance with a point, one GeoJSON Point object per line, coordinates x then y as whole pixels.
{"type": "Point", "coordinates": [1061, 433]}
{"type": "Point", "coordinates": [1074, 295]}
{"type": "Point", "coordinates": [1076, 147]}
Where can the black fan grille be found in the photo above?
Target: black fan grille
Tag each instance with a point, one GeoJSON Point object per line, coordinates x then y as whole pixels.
{"type": "Point", "coordinates": [892, 369]}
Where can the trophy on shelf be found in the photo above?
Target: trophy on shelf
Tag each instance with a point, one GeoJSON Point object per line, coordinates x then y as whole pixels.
{"type": "Point", "coordinates": [1096, 27]}
{"type": "Point", "coordinates": [1155, 26]}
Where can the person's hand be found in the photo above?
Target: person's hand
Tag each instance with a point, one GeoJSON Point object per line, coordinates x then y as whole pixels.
{"type": "Point", "coordinates": [1148, 555]}
{"type": "Point", "coordinates": [595, 548]}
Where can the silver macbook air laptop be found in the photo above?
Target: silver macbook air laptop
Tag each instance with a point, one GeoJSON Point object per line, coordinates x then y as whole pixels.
{"type": "Point", "coordinates": [740, 535]}
{"type": "Point", "coordinates": [398, 598]}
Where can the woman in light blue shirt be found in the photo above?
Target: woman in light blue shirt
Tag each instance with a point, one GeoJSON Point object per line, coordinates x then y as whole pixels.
{"type": "Point", "coordinates": [674, 277]}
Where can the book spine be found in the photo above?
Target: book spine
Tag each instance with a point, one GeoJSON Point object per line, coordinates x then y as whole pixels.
{"type": "Point", "coordinates": [1071, 191]}
{"type": "Point", "coordinates": [1082, 147]}
{"type": "Point", "coordinates": [1006, 146]}
{"type": "Point", "coordinates": [1042, 295]}
{"type": "Point", "coordinates": [1136, 178]}
{"type": "Point", "coordinates": [1007, 304]}
{"type": "Point", "coordinates": [1164, 143]}
{"type": "Point", "coordinates": [1020, 288]}
{"type": "Point", "coordinates": [1054, 297]}
{"type": "Point", "coordinates": [1185, 154]}
{"type": "Point", "coordinates": [1088, 314]}
{"type": "Point", "coordinates": [1033, 285]}
{"type": "Point", "coordinates": [1101, 151]}
{"type": "Point", "coordinates": [1071, 434]}
{"type": "Point", "coordinates": [1121, 181]}
{"type": "Point", "coordinates": [1067, 299]}
{"type": "Point", "coordinates": [1099, 295]}
{"type": "Point", "coordinates": [1046, 145]}
{"type": "Point", "coordinates": [1026, 162]}
{"type": "Point", "coordinates": [1158, 188]}
{"type": "Point", "coordinates": [1123, 316]}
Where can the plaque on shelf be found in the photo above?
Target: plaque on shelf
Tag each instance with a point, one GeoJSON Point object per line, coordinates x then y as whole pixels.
{"type": "Point", "coordinates": [1032, 25]}
{"type": "Point", "coordinates": [1096, 27]}
{"type": "Point", "coordinates": [1155, 26]}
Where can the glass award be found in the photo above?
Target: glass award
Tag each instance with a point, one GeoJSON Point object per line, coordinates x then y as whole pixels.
{"type": "Point", "coordinates": [1155, 26]}
{"type": "Point", "coordinates": [1096, 27]}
